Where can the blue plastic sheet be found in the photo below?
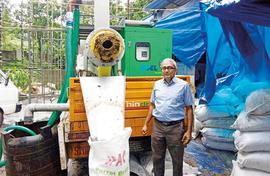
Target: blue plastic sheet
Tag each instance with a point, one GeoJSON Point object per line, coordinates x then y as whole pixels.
{"type": "Point", "coordinates": [235, 35]}
{"type": "Point", "coordinates": [250, 11]}
{"type": "Point", "coordinates": [237, 51]}
{"type": "Point", "coordinates": [188, 43]}
{"type": "Point", "coordinates": [209, 161]}
{"type": "Point", "coordinates": [219, 58]}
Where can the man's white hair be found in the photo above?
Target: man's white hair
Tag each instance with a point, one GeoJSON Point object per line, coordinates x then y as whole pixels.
{"type": "Point", "coordinates": [170, 60]}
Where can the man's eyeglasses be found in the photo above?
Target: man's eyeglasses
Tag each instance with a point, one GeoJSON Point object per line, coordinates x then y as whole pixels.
{"type": "Point", "coordinates": [167, 68]}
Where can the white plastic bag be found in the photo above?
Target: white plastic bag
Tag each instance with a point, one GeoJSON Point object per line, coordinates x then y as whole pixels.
{"type": "Point", "coordinates": [258, 102]}
{"type": "Point", "coordinates": [219, 123]}
{"type": "Point", "coordinates": [254, 160]}
{"type": "Point", "coordinates": [104, 101]}
{"type": "Point", "coordinates": [237, 171]}
{"type": "Point", "coordinates": [247, 122]}
{"type": "Point", "coordinates": [197, 128]}
{"type": "Point", "coordinates": [228, 146]}
{"type": "Point", "coordinates": [218, 134]}
{"type": "Point", "coordinates": [252, 141]}
{"type": "Point", "coordinates": [204, 112]}
{"type": "Point", "coordinates": [110, 157]}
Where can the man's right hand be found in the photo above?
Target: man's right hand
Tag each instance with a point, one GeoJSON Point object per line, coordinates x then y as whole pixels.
{"type": "Point", "coordinates": [144, 129]}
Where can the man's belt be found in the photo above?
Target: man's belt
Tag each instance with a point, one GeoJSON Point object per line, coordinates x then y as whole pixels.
{"type": "Point", "coordinates": [169, 123]}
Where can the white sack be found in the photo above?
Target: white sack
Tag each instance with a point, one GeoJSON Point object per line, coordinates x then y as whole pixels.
{"type": "Point", "coordinates": [197, 128]}
{"type": "Point", "coordinates": [258, 102]}
{"type": "Point", "coordinates": [254, 160]}
{"type": "Point", "coordinates": [219, 123]}
{"type": "Point", "coordinates": [247, 122]}
{"type": "Point", "coordinates": [204, 112]}
{"type": "Point", "coordinates": [228, 146]}
{"type": "Point", "coordinates": [218, 134]}
{"type": "Point", "coordinates": [110, 157]}
{"type": "Point", "coordinates": [237, 171]}
{"type": "Point", "coordinates": [104, 101]}
{"type": "Point", "coordinates": [252, 141]}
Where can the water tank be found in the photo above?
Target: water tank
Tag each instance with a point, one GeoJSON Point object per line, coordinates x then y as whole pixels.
{"type": "Point", "coordinates": [32, 155]}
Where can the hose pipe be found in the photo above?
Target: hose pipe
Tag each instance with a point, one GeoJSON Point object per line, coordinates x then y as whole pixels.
{"type": "Point", "coordinates": [71, 50]}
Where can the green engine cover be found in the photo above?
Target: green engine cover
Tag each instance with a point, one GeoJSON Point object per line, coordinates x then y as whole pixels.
{"type": "Point", "coordinates": [145, 47]}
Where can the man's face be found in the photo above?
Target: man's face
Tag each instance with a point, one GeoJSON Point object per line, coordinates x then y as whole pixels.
{"type": "Point", "coordinates": [168, 70]}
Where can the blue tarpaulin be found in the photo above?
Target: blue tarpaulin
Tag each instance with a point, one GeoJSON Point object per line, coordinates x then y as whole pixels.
{"type": "Point", "coordinates": [235, 35]}
{"type": "Point", "coordinates": [237, 51]}
{"type": "Point", "coordinates": [188, 43]}
{"type": "Point", "coordinates": [209, 161]}
{"type": "Point", "coordinates": [250, 11]}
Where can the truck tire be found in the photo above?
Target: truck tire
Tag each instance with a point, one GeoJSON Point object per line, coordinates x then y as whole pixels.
{"type": "Point", "coordinates": [136, 169]}
{"type": "Point", "coordinates": [78, 167]}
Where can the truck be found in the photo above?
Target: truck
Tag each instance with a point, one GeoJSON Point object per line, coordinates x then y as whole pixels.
{"type": "Point", "coordinates": [145, 47]}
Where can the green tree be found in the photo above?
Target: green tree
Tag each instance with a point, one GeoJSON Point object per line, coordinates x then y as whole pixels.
{"type": "Point", "coordinates": [133, 11]}
{"type": "Point", "coordinates": [136, 9]}
{"type": "Point", "coordinates": [9, 33]}
{"type": "Point", "coordinates": [18, 74]}
{"type": "Point", "coordinates": [40, 19]}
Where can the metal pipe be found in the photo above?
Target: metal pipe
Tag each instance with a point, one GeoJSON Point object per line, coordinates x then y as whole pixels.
{"type": "Point", "coordinates": [31, 108]}
{"type": "Point", "coordinates": [138, 23]}
{"type": "Point", "coordinates": [75, 32]}
{"type": "Point", "coordinates": [29, 66]}
{"type": "Point", "coordinates": [119, 69]}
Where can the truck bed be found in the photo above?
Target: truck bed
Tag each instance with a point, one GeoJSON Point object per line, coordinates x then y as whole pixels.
{"type": "Point", "coordinates": [138, 92]}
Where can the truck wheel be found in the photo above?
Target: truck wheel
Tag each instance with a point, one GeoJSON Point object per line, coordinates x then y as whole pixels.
{"type": "Point", "coordinates": [78, 167]}
{"type": "Point", "coordinates": [1, 117]}
{"type": "Point", "coordinates": [136, 169]}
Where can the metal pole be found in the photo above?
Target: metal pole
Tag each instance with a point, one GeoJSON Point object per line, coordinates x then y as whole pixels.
{"type": "Point", "coordinates": [42, 68]}
{"type": "Point", "coordinates": [29, 66]}
{"type": "Point", "coordinates": [30, 12]}
{"type": "Point", "coordinates": [1, 45]}
{"type": "Point", "coordinates": [22, 35]}
{"type": "Point", "coordinates": [52, 70]}
{"type": "Point", "coordinates": [60, 60]}
{"type": "Point", "coordinates": [128, 9]}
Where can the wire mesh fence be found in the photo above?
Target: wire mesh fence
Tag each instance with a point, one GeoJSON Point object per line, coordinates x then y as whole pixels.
{"type": "Point", "coordinates": [34, 31]}
{"type": "Point", "coordinates": [32, 42]}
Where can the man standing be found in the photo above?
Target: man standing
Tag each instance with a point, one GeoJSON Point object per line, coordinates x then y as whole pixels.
{"type": "Point", "coordinates": [170, 103]}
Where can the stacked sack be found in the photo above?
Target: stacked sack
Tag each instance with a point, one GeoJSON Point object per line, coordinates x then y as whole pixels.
{"type": "Point", "coordinates": [216, 119]}
{"type": "Point", "coordinates": [252, 138]}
